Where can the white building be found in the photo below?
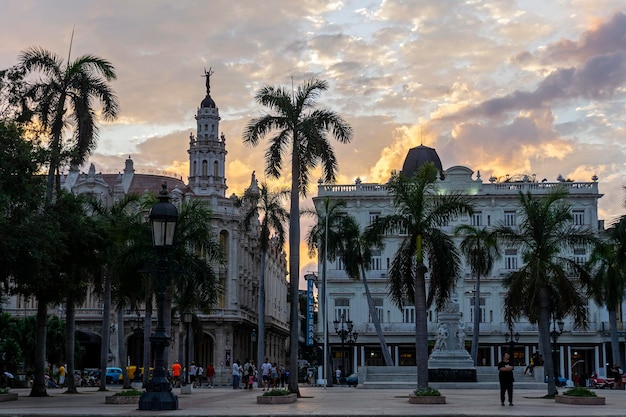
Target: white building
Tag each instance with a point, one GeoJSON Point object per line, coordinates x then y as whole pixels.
{"type": "Point", "coordinates": [227, 331]}
{"type": "Point", "coordinates": [495, 202]}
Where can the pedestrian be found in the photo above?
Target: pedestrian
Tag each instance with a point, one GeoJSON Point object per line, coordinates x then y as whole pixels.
{"type": "Point", "coordinates": [274, 375]}
{"type": "Point", "coordinates": [62, 375]}
{"type": "Point", "coordinates": [338, 376]}
{"type": "Point", "coordinates": [176, 370]}
{"type": "Point", "coordinates": [210, 374]}
{"type": "Point", "coordinates": [199, 375]}
{"type": "Point", "coordinates": [236, 374]}
{"type": "Point", "coordinates": [282, 375]}
{"type": "Point", "coordinates": [265, 373]}
{"type": "Point", "coordinates": [193, 370]}
{"type": "Point", "coordinates": [505, 375]}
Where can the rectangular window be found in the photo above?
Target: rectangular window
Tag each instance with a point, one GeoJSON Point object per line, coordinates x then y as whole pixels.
{"type": "Point", "coordinates": [510, 259]}
{"type": "Point", "coordinates": [510, 218]}
{"type": "Point", "coordinates": [408, 314]}
{"type": "Point", "coordinates": [579, 217]}
{"type": "Point", "coordinates": [380, 312]}
{"type": "Point", "coordinates": [481, 304]}
{"type": "Point", "coordinates": [477, 219]}
{"type": "Point", "coordinates": [342, 307]}
{"type": "Point", "coordinates": [376, 261]}
{"type": "Point", "coordinates": [580, 255]}
{"type": "Point", "coordinates": [374, 215]}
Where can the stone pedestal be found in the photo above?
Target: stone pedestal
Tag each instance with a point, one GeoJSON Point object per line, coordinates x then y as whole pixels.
{"type": "Point", "coordinates": [450, 361]}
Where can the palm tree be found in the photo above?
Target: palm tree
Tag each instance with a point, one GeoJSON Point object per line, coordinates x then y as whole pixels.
{"type": "Point", "coordinates": [480, 248]}
{"type": "Point", "coordinates": [607, 264]}
{"type": "Point", "coordinates": [63, 97]}
{"type": "Point", "coordinates": [297, 122]}
{"type": "Point", "coordinates": [122, 228]}
{"type": "Point", "coordinates": [356, 255]}
{"type": "Point", "coordinates": [420, 212]}
{"type": "Point", "coordinates": [269, 205]}
{"type": "Point", "coordinates": [323, 237]}
{"type": "Point", "coordinates": [543, 288]}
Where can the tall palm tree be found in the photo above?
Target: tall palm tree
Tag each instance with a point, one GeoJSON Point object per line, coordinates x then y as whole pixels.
{"type": "Point", "coordinates": [356, 255]}
{"type": "Point", "coordinates": [420, 212]}
{"type": "Point", "coordinates": [543, 287]}
{"type": "Point", "coordinates": [607, 265]}
{"type": "Point", "coordinates": [63, 98]}
{"type": "Point", "coordinates": [121, 226]}
{"type": "Point", "coordinates": [480, 248]}
{"type": "Point", "coordinates": [323, 237]}
{"type": "Point", "coordinates": [298, 123]}
{"type": "Point", "coordinates": [269, 205]}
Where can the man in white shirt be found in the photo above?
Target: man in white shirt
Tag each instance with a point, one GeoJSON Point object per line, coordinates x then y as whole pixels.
{"type": "Point", "coordinates": [236, 374]}
{"type": "Point", "coordinates": [265, 373]}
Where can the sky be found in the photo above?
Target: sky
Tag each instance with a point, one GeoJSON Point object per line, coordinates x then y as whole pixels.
{"type": "Point", "coordinates": [502, 87]}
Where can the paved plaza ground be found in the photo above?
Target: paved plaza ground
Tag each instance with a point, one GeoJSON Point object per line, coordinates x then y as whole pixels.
{"type": "Point", "coordinates": [315, 401]}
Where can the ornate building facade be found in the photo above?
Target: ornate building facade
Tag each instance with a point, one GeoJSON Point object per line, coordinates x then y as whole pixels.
{"type": "Point", "coordinates": [228, 331]}
{"type": "Point", "coordinates": [495, 202]}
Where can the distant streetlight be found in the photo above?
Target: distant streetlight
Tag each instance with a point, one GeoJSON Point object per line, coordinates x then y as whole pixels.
{"type": "Point", "coordinates": [511, 339]}
{"type": "Point", "coordinates": [163, 219]}
{"type": "Point", "coordinates": [343, 329]}
{"type": "Point", "coordinates": [555, 333]}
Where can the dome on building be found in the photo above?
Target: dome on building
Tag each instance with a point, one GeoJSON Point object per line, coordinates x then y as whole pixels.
{"type": "Point", "coordinates": [419, 156]}
{"type": "Point", "coordinates": [208, 102]}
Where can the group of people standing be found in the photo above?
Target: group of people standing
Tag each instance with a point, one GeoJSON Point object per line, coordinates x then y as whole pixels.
{"type": "Point", "coordinates": [272, 376]}
{"type": "Point", "coordinates": [196, 374]}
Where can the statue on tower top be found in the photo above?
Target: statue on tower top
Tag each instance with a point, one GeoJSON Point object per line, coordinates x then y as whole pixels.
{"type": "Point", "coordinates": [207, 75]}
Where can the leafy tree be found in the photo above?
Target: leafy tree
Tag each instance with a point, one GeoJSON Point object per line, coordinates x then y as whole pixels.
{"type": "Point", "coordinates": [269, 206]}
{"type": "Point", "coordinates": [480, 248]}
{"type": "Point", "coordinates": [607, 265]}
{"type": "Point", "coordinates": [420, 211]}
{"type": "Point", "coordinates": [63, 98]}
{"type": "Point", "coordinates": [543, 288]}
{"type": "Point", "coordinates": [298, 123]}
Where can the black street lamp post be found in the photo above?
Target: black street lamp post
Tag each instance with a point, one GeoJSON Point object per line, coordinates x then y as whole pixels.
{"type": "Point", "coordinates": [187, 318]}
{"type": "Point", "coordinates": [163, 218]}
{"type": "Point", "coordinates": [343, 329]}
{"type": "Point", "coordinates": [555, 333]}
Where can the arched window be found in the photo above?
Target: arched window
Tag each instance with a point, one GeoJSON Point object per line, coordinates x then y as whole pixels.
{"type": "Point", "coordinates": [195, 168]}
{"type": "Point", "coordinates": [204, 168]}
{"type": "Point", "coordinates": [215, 169]}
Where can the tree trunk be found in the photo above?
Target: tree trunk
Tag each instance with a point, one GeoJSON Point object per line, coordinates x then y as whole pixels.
{"type": "Point", "coordinates": [294, 268]}
{"type": "Point", "coordinates": [421, 327]}
{"type": "Point", "coordinates": [106, 329]}
{"type": "Point", "coordinates": [121, 347]}
{"type": "Point", "coordinates": [614, 338]}
{"type": "Point", "coordinates": [261, 336]}
{"type": "Point", "coordinates": [70, 343]}
{"type": "Point", "coordinates": [543, 327]}
{"type": "Point", "coordinates": [39, 384]}
{"type": "Point", "coordinates": [476, 331]}
{"type": "Point", "coordinates": [376, 321]}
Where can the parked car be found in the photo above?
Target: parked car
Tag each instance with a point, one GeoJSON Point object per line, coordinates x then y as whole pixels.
{"type": "Point", "coordinates": [352, 380]}
{"type": "Point", "coordinates": [114, 375]}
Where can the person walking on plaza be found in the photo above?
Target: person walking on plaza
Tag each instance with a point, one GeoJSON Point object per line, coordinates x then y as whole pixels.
{"type": "Point", "coordinates": [236, 374]}
{"type": "Point", "coordinates": [265, 373]}
{"type": "Point", "coordinates": [176, 370]}
{"type": "Point", "coordinates": [210, 374]}
{"type": "Point", "coordinates": [505, 375]}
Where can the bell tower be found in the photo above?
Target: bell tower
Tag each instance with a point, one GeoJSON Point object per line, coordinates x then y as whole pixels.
{"type": "Point", "coordinates": [207, 150]}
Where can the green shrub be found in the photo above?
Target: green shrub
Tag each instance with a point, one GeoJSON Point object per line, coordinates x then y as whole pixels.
{"type": "Point", "coordinates": [128, 393]}
{"type": "Point", "coordinates": [276, 392]}
{"type": "Point", "coordinates": [4, 390]}
{"type": "Point", "coordinates": [427, 392]}
{"type": "Point", "coordinates": [580, 392]}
